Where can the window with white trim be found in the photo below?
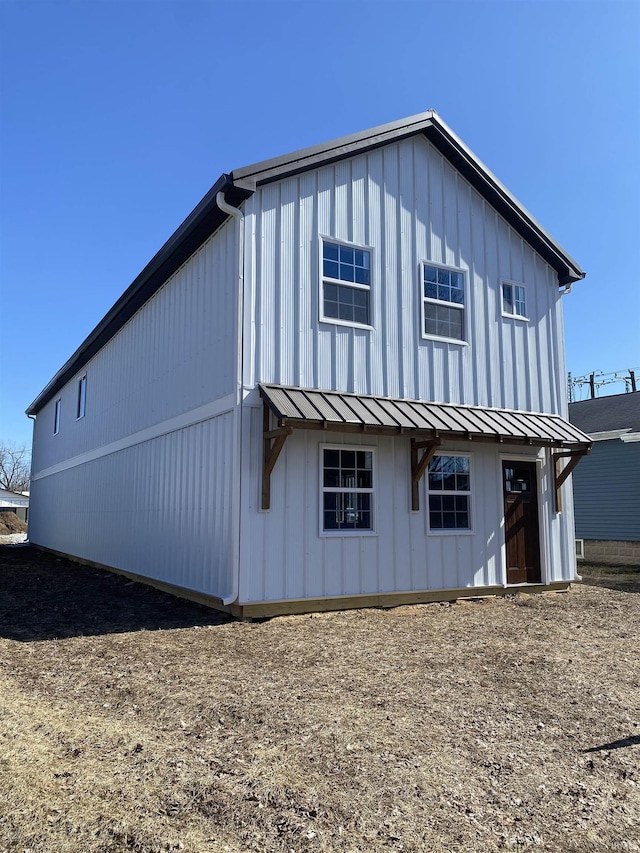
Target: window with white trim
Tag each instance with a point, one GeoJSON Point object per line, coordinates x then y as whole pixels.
{"type": "Point", "coordinates": [449, 482]}
{"type": "Point", "coordinates": [346, 284]}
{"type": "Point", "coordinates": [442, 302]}
{"type": "Point", "coordinates": [56, 416]}
{"type": "Point", "coordinates": [81, 406]}
{"type": "Point", "coordinates": [347, 489]}
{"type": "Point", "coordinates": [514, 302]}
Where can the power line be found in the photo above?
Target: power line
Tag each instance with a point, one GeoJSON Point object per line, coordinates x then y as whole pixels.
{"type": "Point", "coordinates": [597, 379]}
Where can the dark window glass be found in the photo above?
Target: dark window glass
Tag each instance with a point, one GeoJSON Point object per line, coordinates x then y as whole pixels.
{"type": "Point", "coordinates": [330, 251]}
{"type": "Point", "coordinates": [449, 475]}
{"type": "Point", "coordinates": [349, 470]}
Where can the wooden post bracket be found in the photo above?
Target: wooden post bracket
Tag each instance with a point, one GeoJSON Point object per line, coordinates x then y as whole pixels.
{"type": "Point", "coordinates": [419, 466]}
{"type": "Point", "coordinates": [560, 474]}
{"type": "Point", "coordinates": [272, 443]}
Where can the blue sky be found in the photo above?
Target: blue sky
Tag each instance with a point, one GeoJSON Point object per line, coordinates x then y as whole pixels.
{"type": "Point", "coordinates": [117, 116]}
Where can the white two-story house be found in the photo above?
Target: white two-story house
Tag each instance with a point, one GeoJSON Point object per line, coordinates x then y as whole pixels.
{"type": "Point", "coordinates": [340, 382]}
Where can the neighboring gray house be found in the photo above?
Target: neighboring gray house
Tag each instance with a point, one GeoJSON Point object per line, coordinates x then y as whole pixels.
{"type": "Point", "coordinates": [606, 486]}
{"type": "Point", "coordinates": [341, 382]}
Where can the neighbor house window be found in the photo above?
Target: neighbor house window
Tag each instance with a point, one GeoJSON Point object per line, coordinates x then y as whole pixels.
{"type": "Point", "coordinates": [514, 303]}
{"type": "Point", "coordinates": [449, 493]}
{"type": "Point", "coordinates": [82, 396]}
{"type": "Point", "coordinates": [347, 489]}
{"type": "Point", "coordinates": [56, 417]}
{"type": "Point", "coordinates": [346, 284]}
{"type": "Point", "coordinates": [442, 302]}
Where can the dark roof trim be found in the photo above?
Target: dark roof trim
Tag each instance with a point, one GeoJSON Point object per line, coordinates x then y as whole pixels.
{"type": "Point", "coordinates": [452, 148]}
{"type": "Point", "coordinates": [196, 228]}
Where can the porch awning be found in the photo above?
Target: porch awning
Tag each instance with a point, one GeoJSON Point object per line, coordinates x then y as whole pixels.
{"type": "Point", "coordinates": [303, 408]}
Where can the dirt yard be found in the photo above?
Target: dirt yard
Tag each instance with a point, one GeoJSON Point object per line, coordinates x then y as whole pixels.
{"type": "Point", "coordinates": [131, 721]}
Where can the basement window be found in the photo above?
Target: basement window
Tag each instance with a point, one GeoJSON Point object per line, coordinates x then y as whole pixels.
{"type": "Point", "coordinates": [346, 284]}
{"type": "Point", "coordinates": [82, 397]}
{"type": "Point", "coordinates": [56, 417]}
{"type": "Point", "coordinates": [514, 303]}
{"type": "Point", "coordinates": [442, 303]}
{"type": "Point", "coordinates": [449, 493]}
{"type": "Point", "coordinates": [347, 490]}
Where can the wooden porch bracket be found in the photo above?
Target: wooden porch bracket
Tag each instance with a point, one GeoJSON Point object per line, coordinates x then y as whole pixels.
{"type": "Point", "coordinates": [419, 465]}
{"type": "Point", "coordinates": [560, 474]}
{"type": "Point", "coordinates": [272, 443]}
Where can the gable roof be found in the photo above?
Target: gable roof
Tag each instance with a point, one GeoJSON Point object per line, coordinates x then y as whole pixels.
{"type": "Point", "coordinates": [604, 414]}
{"type": "Point", "coordinates": [206, 218]}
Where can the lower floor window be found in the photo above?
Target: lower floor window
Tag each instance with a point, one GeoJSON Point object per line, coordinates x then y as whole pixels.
{"type": "Point", "coordinates": [449, 493]}
{"type": "Point", "coordinates": [347, 489]}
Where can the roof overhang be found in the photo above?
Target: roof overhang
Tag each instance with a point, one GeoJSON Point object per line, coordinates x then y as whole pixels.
{"type": "Point", "coordinates": [425, 423]}
{"type": "Point", "coordinates": [301, 408]}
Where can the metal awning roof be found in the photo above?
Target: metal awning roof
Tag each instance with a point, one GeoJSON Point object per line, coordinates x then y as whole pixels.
{"type": "Point", "coordinates": [313, 409]}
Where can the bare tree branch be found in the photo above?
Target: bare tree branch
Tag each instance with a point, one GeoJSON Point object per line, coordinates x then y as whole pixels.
{"type": "Point", "coordinates": [15, 468]}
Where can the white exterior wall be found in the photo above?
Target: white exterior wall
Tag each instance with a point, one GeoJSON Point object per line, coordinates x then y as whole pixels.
{"type": "Point", "coordinates": [161, 508]}
{"type": "Point", "coordinates": [175, 354]}
{"type": "Point", "coordinates": [284, 555]}
{"type": "Point", "coordinates": [143, 482]}
{"type": "Point", "coordinates": [410, 205]}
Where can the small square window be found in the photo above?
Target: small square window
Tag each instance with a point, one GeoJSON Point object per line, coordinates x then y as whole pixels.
{"type": "Point", "coordinates": [346, 284]}
{"type": "Point", "coordinates": [514, 302]}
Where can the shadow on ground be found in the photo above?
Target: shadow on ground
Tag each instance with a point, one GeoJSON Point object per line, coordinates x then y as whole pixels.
{"type": "Point", "coordinates": [622, 578]}
{"type": "Point", "coordinates": [45, 597]}
{"type": "Point", "coordinates": [633, 740]}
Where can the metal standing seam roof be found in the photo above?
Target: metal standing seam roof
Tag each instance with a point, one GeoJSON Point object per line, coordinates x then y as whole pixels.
{"type": "Point", "coordinates": [305, 407]}
{"type": "Point", "coordinates": [206, 218]}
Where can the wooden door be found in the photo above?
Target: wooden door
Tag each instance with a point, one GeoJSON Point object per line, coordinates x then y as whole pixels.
{"type": "Point", "coordinates": [522, 532]}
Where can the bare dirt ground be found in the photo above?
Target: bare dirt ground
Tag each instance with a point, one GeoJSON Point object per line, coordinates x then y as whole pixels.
{"type": "Point", "coordinates": [131, 721]}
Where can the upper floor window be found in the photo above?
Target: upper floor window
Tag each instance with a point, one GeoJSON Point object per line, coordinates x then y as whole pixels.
{"type": "Point", "coordinates": [514, 303]}
{"type": "Point", "coordinates": [56, 417]}
{"type": "Point", "coordinates": [82, 397]}
{"type": "Point", "coordinates": [346, 284]}
{"type": "Point", "coordinates": [442, 302]}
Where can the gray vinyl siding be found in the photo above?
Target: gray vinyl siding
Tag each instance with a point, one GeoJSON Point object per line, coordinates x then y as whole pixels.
{"type": "Point", "coordinates": [145, 482]}
{"type": "Point", "coordinates": [606, 488]}
{"type": "Point", "coordinates": [177, 353]}
{"type": "Point", "coordinates": [160, 509]}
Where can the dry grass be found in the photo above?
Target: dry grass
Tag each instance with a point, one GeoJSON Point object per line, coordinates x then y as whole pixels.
{"type": "Point", "coordinates": [131, 721]}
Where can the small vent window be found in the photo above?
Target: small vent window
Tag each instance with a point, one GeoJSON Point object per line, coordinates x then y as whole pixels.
{"type": "Point", "coordinates": [82, 397]}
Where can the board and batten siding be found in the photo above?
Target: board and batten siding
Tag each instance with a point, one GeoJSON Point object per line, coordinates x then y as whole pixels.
{"type": "Point", "coordinates": [160, 509]}
{"type": "Point", "coordinates": [174, 355]}
{"type": "Point", "coordinates": [144, 481]}
{"type": "Point", "coordinates": [283, 554]}
{"type": "Point", "coordinates": [408, 204]}
{"type": "Point", "coordinates": [607, 493]}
